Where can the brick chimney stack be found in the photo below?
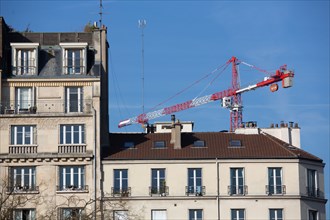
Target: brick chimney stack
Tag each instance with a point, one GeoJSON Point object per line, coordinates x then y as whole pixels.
{"type": "Point", "coordinates": [176, 133]}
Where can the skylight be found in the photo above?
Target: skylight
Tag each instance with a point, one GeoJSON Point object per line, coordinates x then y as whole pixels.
{"type": "Point", "coordinates": [159, 144]}
{"type": "Point", "coordinates": [199, 143]}
{"type": "Point", "coordinates": [129, 144]}
{"type": "Point", "coordinates": [235, 143]}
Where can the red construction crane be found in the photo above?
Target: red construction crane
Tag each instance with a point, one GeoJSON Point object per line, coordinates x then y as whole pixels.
{"type": "Point", "coordinates": [231, 98]}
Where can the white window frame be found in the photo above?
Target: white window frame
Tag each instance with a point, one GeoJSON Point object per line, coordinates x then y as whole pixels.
{"type": "Point", "coordinates": [67, 183]}
{"type": "Point", "coordinates": [120, 215]}
{"type": "Point", "coordinates": [66, 213]}
{"type": "Point", "coordinates": [274, 180]}
{"type": "Point", "coordinates": [237, 214]}
{"type": "Point", "coordinates": [82, 46]}
{"type": "Point", "coordinates": [68, 92]}
{"type": "Point", "coordinates": [70, 129]}
{"type": "Point", "coordinates": [198, 189]}
{"type": "Point", "coordinates": [158, 179]}
{"type": "Point", "coordinates": [26, 130]}
{"type": "Point", "coordinates": [18, 214]}
{"type": "Point", "coordinates": [236, 184]}
{"type": "Point", "coordinates": [32, 50]}
{"type": "Point", "coordinates": [19, 183]}
{"type": "Point", "coordinates": [121, 179]}
{"type": "Point", "coordinates": [29, 99]}
{"type": "Point", "coordinates": [276, 213]}
{"type": "Point", "coordinates": [158, 214]}
{"type": "Point", "coordinates": [195, 214]}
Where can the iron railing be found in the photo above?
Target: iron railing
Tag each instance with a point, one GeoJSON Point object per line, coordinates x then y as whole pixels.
{"type": "Point", "coordinates": [22, 189]}
{"type": "Point", "coordinates": [275, 190]}
{"type": "Point", "coordinates": [161, 191]}
{"type": "Point", "coordinates": [72, 188]}
{"type": "Point", "coordinates": [123, 192]}
{"type": "Point", "coordinates": [312, 191]}
{"type": "Point", "coordinates": [237, 190]}
{"type": "Point", "coordinates": [195, 190]}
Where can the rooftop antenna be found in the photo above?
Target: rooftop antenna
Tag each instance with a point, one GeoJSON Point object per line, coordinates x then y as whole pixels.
{"type": "Point", "coordinates": [101, 13]}
{"type": "Point", "coordinates": [142, 24]}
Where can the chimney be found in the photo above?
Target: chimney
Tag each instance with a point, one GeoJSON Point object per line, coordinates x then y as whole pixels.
{"type": "Point", "coordinates": [176, 133]}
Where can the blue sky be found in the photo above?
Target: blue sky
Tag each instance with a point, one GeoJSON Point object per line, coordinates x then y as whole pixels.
{"type": "Point", "coordinates": [185, 40]}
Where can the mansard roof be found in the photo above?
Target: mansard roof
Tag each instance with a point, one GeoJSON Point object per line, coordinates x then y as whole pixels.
{"type": "Point", "coordinates": [217, 145]}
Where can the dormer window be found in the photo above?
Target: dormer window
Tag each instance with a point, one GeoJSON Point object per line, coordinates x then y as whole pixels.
{"type": "Point", "coordinates": [235, 143]}
{"type": "Point", "coordinates": [128, 144]}
{"type": "Point", "coordinates": [159, 144]}
{"type": "Point", "coordinates": [74, 58]}
{"type": "Point", "coordinates": [199, 143]}
{"type": "Point", "coordinates": [24, 58]}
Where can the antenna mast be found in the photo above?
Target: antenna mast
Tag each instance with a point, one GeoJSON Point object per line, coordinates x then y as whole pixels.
{"type": "Point", "coordinates": [101, 13]}
{"type": "Point", "coordinates": [142, 24]}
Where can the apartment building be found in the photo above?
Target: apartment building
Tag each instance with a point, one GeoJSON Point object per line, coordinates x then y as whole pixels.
{"type": "Point", "coordinates": [213, 175]}
{"type": "Point", "coordinates": [53, 98]}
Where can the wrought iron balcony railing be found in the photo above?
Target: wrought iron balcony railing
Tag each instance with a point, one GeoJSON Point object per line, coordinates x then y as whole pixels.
{"type": "Point", "coordinates": [46, 106]}
{"type": "Point", "coordinates": [237, 190]}
{"type": "Point", "coordinates": [275, 190]}
{"type": "Point", "coordinates": [160, 191]}
{"type": "Point", "coordinates": [72, 188]}
{"type": "Point", "coordinates": [312, 191]}
{"type": "Point", "coordinates": [22, 189]}
{"type": "Point", "coordinates": [195, 190]}
{"type": "Point", "coordinates": [123, 192]}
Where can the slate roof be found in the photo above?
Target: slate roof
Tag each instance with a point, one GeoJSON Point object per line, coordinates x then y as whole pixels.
{"type": "Point", "coordinates": [254, 146]}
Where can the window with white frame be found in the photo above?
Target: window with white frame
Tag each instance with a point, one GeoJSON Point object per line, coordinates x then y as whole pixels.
{"type": "Point", "coordinates": [312, 183]}
{"type": "Point", "coordinates": [120, 185]}
{"type": "Point", "coordinates": [158, 184]}
{"type": "Point", "coordinates": [74, 99]}
{"type": "Point", "coordinates": [158, 215]}
{"type": "Point", "coordinates": [195, 214]}
{"type": "Point", "coordinates": [71, 214]}
{"type": "Point", "coordinates": [24, 98]}
{"type": "Point", "coordinates": [23, 135]}
{"type": "Point", "coordinates": [237, 214]}
{"type": "Point", "coordinates": [275, 214]}
{"type": "Point", "coordinates": [74, 58]}
{"type": "Point", "coordinates": [312, 215]}
{"type": "Point", "coordinates": [195, 181]}
{"type": "Point", "coordinates": [22, 178]}
{"type": "Point", "coordinates": [275, 180]}
{"type": "Point", "coordinates": [120, 215]}
{"type": "Point", "coordinates": [24, 214]}
{"type": "Point", "coordinates": [72, 178]}
{"type": "Point", "coordinates": [24, 58]}
{"type": "Point", "coordinates": [72, 134]}
{"type": "Point", "coordinates": [237, 181]}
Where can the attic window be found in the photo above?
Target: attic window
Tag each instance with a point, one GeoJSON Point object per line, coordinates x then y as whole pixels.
{"type": "Point", "coordinates": [74, 57]}
{"type": "Point", "coordinates": [25, 58]}
{"type": "Point", "coordinates": [159, 144]}
{"type": "Point", "coordinates": [199, 143]}
{"type": "Point", "coordinates": [235, 143]}
{"type": "Point", "coordinates": [129, 144]}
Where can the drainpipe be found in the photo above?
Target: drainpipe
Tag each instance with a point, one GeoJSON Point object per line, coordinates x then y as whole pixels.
{"type": "Point", "coordinates": [218, 188]}
{"type": "Point", "coordinates": [94, 162]}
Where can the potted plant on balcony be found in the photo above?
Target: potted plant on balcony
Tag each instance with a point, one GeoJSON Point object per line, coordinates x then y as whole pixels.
{"type": "Point", "coordinates": [33, 109]}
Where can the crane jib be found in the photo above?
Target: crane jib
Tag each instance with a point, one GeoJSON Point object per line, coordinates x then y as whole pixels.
{"type": "Point", "coordinates": [178, 107]}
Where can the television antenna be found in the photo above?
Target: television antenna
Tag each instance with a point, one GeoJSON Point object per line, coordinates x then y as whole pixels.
{"type": "Point", "coordinates": [142, 24]}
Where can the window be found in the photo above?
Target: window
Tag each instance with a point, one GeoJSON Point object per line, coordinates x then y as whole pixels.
{"type": "Point", "coordinates": [159, 144]}
{"type": "Point", "coordinates": [24, 214]}
{"type": "Point", "coordinates": [237, 181]}
{"type": "Point", "coordinates": [235, 143]}
{"type": "Point", "coordinates": [120, 215]}
{"type": "Point", "coordinates": [237, 214]}
{"type": "Point", "coordinates": [71, 214]}
{"type": "Point", "coordinates": [72, 134]}
{"type": "Point", "coordinates": [74, 99]}
{"type": "Point", "coordinates": [199, 143]}
{"type": "Point", "coordinates": [25, 58]}
{"type": "Point", "coordinates": [128, 144]}
{"type": "Point", "coordinates": [195, 214]}
{"type": "Point", "coordinates": [275, 181]}
{"type": "Point", "coordinates": [74, 58]}
{"type": "Point", "coordinates": [72, 178]}
{"type": "Point", "coordinates": [275, 214]}
{"type": "Point", "coordinates": [24, 99]}
{"type": "Point", "coordinates": [22, 179]}
{"type": "Point", "coordinates": [312, 215]}
{"type": "Point", "coordinates": [158, 215]}
{"type": "Point", "coordinates": [120, 182]}
{"type": "Point", "coordinates": [158, 184]}
{"type": "Point", "coordinates": [195, 181]}
{"type": "Point", "coordinates": [23, 134]}
{"type": "Point", "coordinates": [312, 187]}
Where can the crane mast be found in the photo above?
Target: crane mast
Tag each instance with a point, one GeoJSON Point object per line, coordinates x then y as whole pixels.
{"type": "Point", "coordinates": [231, 98]}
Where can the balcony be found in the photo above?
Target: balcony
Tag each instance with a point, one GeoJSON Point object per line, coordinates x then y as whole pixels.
{"type": "Point", "coordinates": [158, 191]}
{"type": "Point", "coordinates": [23, 189]}
{"type": "Point", "coordinates": [23, 149]}
{"type": "Point", "coordinates": [72, 188]}
{"type": "Point", "coordinates": [312, 191]}
{"type": "Point", "coordinates": [117, 192]}
{"type": "Point", "coordinates": [196, 191]}
{"type": "Point", "coordinates": [72, 149]}
{"type": "Point", "coordinates": [46, 106]}
{"type": "Point", "coordinates": [239, 190]}
{"type": "Point", "coordinates": [275, 190]}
